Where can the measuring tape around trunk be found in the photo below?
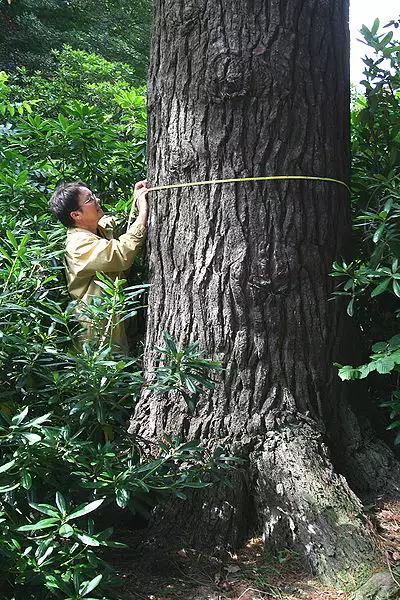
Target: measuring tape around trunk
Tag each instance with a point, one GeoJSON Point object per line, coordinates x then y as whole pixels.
{"type": "Point", "coordinates": [172, 186]}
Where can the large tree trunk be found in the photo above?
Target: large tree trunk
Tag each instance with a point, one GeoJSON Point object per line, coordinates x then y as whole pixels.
{"type": "Point", "coordinates": [240, 89]}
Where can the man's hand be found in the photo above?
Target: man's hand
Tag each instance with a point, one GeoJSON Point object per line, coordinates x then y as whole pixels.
{"type": "Point", "coordinates": [141, 202]}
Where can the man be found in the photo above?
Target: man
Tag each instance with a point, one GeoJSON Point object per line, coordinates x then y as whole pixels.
{"type": "Point", "coordinates": [91, 247]}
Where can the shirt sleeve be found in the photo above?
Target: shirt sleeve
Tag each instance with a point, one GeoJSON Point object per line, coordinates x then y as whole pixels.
{"type": "Point", "coordinates": [86, 253]}
{"type": "Point", "coordinates": [107, 223]}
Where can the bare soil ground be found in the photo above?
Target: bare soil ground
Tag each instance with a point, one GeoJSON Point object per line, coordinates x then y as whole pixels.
{"type": "Point", "coordinates": [250, 574]}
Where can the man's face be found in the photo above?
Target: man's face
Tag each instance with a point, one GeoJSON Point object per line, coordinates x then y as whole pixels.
{"type": "Point", "coordinates": [89, 212]}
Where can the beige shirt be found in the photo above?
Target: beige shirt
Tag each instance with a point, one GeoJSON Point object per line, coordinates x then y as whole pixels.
{"type": "Point", "coordinates": [87, 252]}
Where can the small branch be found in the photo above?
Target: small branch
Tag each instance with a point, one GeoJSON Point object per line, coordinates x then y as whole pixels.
{"type": "Point", "coordinates": [391, 571]}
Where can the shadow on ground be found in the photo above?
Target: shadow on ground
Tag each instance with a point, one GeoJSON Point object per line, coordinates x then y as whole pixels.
{"type": "Point", "coordinates": [252, 574]}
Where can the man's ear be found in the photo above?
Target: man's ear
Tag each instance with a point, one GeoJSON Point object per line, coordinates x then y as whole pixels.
{"type": "Point", "coordinates": [75, 215]}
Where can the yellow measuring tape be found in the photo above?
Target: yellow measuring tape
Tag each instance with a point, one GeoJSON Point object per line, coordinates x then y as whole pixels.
{"type": "Point", "coordinates": [156, 188]}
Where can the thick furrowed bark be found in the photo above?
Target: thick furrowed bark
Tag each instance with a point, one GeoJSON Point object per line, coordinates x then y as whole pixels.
{"type": "Point", "coordinates": [303, 503]}
{"type": "Point", "coordinates": [240, 89]}
{"type": "Point", "coordinates": [369, 465]}
{"type": "Point", "coordinates": [290, 493]}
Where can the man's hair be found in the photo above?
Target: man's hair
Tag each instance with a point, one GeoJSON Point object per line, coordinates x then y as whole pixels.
{"type": "Point", "coordinates": [65, 200]}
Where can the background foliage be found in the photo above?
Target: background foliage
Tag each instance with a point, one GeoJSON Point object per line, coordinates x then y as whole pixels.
{"type": "Point", "coordinates": [118, 30]}
{"type": "Point", "coordinates": [65, 455]}
{"type": "Point", "coordinates": [371, 282]}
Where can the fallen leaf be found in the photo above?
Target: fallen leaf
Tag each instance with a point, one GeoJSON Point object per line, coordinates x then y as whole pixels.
{"type": "Point", "coordinates": [232, 568]}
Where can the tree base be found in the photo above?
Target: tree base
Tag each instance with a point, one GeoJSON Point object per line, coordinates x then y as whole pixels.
{"type": "Point", "coordinates": [369, 465]}
{"type": "Point", "coordinates": [303, 503]}
{"type": "Point", "coordinates": [380, 586]}
{"type": "Point", "coordinates": [291, 493]}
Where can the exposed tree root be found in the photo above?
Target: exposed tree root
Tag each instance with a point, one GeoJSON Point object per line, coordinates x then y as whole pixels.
{"type": "Point", "coordinates": [380, 586]}
{"type": "Point", "coordinates": [303, 503]}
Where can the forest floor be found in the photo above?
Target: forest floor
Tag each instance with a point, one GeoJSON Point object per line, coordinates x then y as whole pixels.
{"type": "Point", "coordinates": [250, 574]}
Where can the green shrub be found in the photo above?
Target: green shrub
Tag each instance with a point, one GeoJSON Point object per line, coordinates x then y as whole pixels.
{"type": "Point", "coordinates": [116, 30]}
{"type": "Point", "coordinates": [372, 281]}
{"type": "Point", "coordinates": [62, 129]}
{"type": "Point", "coordinates": [65, 453]}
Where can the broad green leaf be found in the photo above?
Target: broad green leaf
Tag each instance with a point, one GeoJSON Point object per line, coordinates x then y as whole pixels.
{"type": "Point", "coordinates": [89, 586]}
{"type": "Point", "coordinates": [394, 343]}
{"type": "Point", "coordinates": [385, 365]}
{"type": "Point", "coordinates": [348, 372]}
{"type": "Point", "coordinates": [46, 509]}
{"type": "Point", "coordinates": [350, 308]}
{"type": "Point", "coordinates": [396, 288]}
{"type": "Point", "coordinates": [375, 27]}
{"type": "Point", "coordinates": [85, 509]}
{"type": "Point", "coordinates": [122, 497]}
{"type": "Point", "coordinates": [7, 466]}
{"type": "Point", "coordinates": [33, 438]}
{"type": "Point", "coordinates": [386, 39]}
{"type": "Point", "coordinates": [48, 552]}
{"type": "Point", "coordinates": [12, 239]}
{"type": "Point", "coordinates": [17, 420]}
{"type": "Point", "coordinates": [43, 524]}
{"type": "Point", "coordinates": [380, 347]}
{"type": "Point", "coordinates": [378, 233]}
{"type": "Point", "coordinates": [190, 385]}
{"type": "Point", "coordinates": [60, 501]}
{"type": "Point", "coordinates": [151, 465]}
{"type": "Point", "coordinates": [170, 343]}
{"type": "Point", "coordinates": [56, 582]}
{"type": "Point", "coordinates": [381, 287]}
{"type": "Point", "coordinates": [87, 539]}
{"type": "Point", "coordinates": [66, 530]}
{"type": "Point", "coordinates": [38, 420]}
{"type": "Point", "coordinates": [9, 488]}
{"type": "Point", "coordinates": [365, 370]}
{"type": "Point", "coordinates": [26, 479]}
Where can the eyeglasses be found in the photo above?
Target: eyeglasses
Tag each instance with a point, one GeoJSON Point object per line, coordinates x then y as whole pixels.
{"type": "Point", "coordinates": [90, 200]}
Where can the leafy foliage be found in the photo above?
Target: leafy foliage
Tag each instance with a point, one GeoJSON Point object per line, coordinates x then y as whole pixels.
{"type": "Point", "coordinates": [61, 130]}
{"type": "Point", "coordinates": [46, 540]}
{"type": "Point", "coordinates": [65, 454]}
{"type": "Point", "coordinates": [372, 281]}
{"type": "Point", "coordinates": [184, 369]}
{"type": "Point", "coordinates": [118, 31]}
